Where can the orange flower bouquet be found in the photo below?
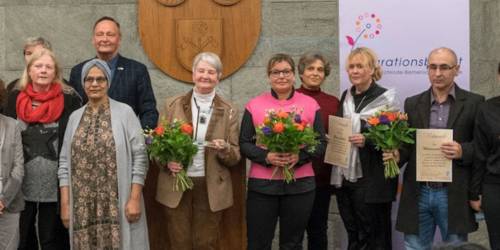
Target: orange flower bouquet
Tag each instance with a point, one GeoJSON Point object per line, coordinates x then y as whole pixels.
{"type": "Point", "coordinates": [173, 142]}
{"type": "Point", "coordinates": [286, 132]}
{"type": "Point", "coordinates": [387, 130]}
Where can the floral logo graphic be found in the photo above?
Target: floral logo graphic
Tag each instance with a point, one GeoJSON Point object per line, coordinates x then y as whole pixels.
{"type": "Point", "coordinates": [368, 26]}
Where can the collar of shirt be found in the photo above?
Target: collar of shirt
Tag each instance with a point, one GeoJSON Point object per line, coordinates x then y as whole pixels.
{"type": "Point", "coordinates": [450, 94]}
{"type": "Point", "coordinates": [112, 65]}
{"type": "Point", "coordinates": [275, 95]}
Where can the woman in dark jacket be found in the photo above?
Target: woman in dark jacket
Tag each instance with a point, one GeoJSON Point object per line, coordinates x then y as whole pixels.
{"type": "Point", "coordinates": [313, 69]}
{"type": "Point", "coordinates": [41, 103]}
{"type": "Point", "coordinates": [486, 174]}
{"type": "Point", "coordinates": [364, 196]}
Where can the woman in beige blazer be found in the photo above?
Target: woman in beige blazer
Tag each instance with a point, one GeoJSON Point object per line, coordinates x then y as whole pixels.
{"type": "Point", "coordinates": [194, 216]}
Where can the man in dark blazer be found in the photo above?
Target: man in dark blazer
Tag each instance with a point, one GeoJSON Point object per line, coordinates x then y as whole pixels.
{"type": "Point", "coordinates": [130, 82]}
{"type": "Point", "coordinates": [425, 205]}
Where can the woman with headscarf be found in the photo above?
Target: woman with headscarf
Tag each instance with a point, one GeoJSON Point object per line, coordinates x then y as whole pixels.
{"type": "Point", "coordinates": [102, 169]}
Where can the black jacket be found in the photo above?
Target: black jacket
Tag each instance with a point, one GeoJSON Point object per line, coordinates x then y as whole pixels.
{"type": "Point", "coordinates": [461, 120]}
{"type": "Point", "coordinates": [377, 188]}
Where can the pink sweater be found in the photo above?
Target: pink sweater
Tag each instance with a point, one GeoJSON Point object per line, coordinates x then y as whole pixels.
{"type": "Point", "coordinates": [259, 106]}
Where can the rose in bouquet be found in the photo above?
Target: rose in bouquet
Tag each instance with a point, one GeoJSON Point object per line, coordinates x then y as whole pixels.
{"type": "Point", "coordinates": [387, 130]}
{"type": "Point", "coordinates": [286, 132]}
{"type": "Point", "coordinates": [172, 142]}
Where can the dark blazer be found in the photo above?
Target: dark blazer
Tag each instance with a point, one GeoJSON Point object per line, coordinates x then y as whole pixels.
{"type": "Point", "coordinates": [378, 189]}
{"type": "Point", "coordinates": [461, 120]}
{"type": "Point", "coordinates": [130, 84]}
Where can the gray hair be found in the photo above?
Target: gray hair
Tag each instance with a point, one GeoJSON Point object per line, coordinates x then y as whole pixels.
{"type": "Point", "coordinates": [100, 64]}
{"type": "Point", "coordinates": [210, 58]}
{"type": "Point", "coordinates": [33, 41]}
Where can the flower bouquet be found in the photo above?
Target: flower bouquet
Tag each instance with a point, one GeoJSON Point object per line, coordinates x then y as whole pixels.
{"type": "Point", "coordinates": [387, 130]}
{"type": "Point", "coordinates": [172, 142]}
{"type": "Point", "coordinates": [286, 132]}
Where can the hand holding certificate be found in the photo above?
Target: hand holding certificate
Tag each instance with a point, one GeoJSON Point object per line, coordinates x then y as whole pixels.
{"type": "Point", "coordinates": [339, 147]}
{"type": "Point", "coordinates": [432, 163]}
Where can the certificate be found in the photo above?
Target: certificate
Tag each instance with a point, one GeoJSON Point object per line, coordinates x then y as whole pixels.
{"type": "Point", "coordinates": [339, 147]}
{"type": "Point", "coordinates": [432, 166]}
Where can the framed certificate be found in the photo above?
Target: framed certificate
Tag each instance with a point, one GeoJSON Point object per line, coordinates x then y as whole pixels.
{"type": "Point", "coordinates": [339, 148]}
{"type": "Point", "coordinates": [432, 166]}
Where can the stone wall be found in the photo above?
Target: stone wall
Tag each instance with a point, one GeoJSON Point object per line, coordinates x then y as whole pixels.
{"type": "Point", "coordinates": [289, 26]}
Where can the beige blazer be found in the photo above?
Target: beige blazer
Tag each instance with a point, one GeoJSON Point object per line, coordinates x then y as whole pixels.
{"type": "Point", "coordinates": [223, 124]}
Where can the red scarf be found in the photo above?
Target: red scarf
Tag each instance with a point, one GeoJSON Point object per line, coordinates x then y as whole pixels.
{"type": "Point", "coordinates": [50, 108]}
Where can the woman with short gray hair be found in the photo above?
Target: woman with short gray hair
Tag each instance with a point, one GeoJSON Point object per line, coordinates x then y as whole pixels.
{"type": "Point", "coordinates": [194, 216]}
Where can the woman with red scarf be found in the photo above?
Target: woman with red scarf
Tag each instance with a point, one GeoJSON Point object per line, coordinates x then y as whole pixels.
{"type": "Point", "coordinates": [41, 103]}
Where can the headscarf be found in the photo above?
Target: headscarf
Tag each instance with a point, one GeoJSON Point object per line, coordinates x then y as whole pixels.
{"type": "Point", "coordinates": [101, 64]}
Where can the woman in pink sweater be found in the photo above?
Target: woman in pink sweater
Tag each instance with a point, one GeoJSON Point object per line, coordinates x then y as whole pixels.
{"type": "Point", "coordinates": [269, 197]}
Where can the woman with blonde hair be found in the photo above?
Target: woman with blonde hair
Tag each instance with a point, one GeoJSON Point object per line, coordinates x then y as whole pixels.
{"type": "Point", "coordinates": [364, 196]}
{"type": "Point", "coordinates": [41, 103]}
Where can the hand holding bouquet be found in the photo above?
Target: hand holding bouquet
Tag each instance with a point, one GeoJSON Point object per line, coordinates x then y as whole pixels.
{"type": "Point", "coordinates": [387, 131]}
{"type": "Point", "coordinates": [285, 133]}
{"type": "Point", "coordinates": [171, 143]}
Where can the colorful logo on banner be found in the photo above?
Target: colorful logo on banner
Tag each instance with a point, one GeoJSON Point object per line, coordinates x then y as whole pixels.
{"type": "Point", "coordinates": [368, 26]}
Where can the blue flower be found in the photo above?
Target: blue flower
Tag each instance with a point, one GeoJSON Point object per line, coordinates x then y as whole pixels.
{"type": "Point", "coordinates": [384, 119]}
{"type": "Point", "coordinates": [148, 140]}
{"type": "Point", "coordinates": [297, 118]}
{"type": "Point", "coordinates": [267, 130]}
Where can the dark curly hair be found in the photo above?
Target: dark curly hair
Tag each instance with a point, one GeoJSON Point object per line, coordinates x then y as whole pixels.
{"type": "Point", "coordinates": [311, 57]}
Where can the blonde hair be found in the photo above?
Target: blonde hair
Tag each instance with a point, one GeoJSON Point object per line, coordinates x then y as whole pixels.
{"type": "Point", "coordinates": [370, 58]}
{"type": "Point", "coordinates": [25, 78]}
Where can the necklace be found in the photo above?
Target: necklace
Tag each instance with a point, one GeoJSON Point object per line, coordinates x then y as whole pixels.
{"type": "Point", "coordinates": [201, 116]}
{"type": "Point", "coordinates": [359, 105]}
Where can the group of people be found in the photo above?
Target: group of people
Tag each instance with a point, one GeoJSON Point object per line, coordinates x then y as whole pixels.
{"type": "Point", "coordinates": [74, 158]}
{"type": "Point", "coordinates": [68, 166]}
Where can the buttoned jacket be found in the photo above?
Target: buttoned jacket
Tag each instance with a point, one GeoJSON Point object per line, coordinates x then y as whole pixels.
{"type": "Point", "coordinates": [461, 119]}
{"type": "Point", "coordinates": [223, 124]}
{"type": "Point", "coordinates": [12, 164]}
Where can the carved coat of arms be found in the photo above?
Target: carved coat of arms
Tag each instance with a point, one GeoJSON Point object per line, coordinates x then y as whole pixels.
{"type": "Point", "coordinates": [173, 32]}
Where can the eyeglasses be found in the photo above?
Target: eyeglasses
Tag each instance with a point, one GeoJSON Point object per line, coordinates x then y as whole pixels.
{"type": "Point", "coordinates": [277, 73]}
{"type": "Point", "coordinates": [441, 67]}
{"type": "Point", "coordinates": [99, 80]}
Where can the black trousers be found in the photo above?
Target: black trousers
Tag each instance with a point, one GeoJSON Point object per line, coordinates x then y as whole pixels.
{"type": "Point", "coordinates": [317, 227]}
{"type": "Point", "coordinates": [368, 225]}
{"type": "Point", "coordinates": [263, 212]}
{"type": "Point", "coordinates": [491, 206]}
{"type": "Point", "coordinates": [51, 233]}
